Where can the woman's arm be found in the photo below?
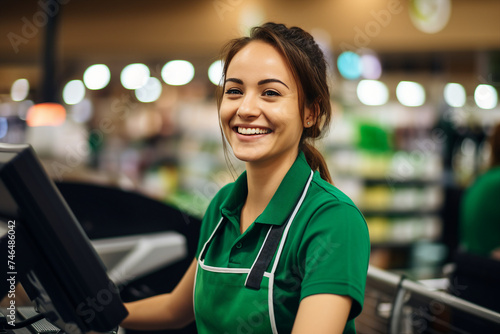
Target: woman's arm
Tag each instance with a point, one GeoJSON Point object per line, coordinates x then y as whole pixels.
{"type": "Point", "coordinates": [166, 311]}
{"type": "Point", "coordinates": [322, 313]}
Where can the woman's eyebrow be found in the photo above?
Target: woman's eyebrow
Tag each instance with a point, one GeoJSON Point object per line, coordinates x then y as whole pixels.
{"type": "Point", "coordinates": [265, 81]}
{"type": "Point", "coordinates": [238, 81]}
{"type": "Point", "coordinates": [261, 82]}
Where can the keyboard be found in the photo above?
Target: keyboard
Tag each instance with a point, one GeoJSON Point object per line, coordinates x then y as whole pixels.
{"type": "Point", "coordinates": [41, 326]}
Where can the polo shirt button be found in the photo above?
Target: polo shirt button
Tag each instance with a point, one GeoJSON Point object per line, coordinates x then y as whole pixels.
{"type": "Point", "coordinates": [239, 245]}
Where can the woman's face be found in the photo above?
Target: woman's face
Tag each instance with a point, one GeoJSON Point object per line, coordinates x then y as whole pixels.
{"type": "Point", "coordinates": [259, 112]}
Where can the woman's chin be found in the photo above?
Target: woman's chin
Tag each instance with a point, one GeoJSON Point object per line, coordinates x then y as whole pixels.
{"type": "Point", "coordinates": [247, 155]}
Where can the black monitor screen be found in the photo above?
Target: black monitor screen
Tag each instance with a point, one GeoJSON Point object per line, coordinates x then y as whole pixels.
{"type": "Point", "coordinates": [45, 249]}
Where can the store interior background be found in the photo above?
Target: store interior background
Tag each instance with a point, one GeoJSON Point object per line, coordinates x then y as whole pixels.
{"type": "Point", "coordinates": [405, 166]}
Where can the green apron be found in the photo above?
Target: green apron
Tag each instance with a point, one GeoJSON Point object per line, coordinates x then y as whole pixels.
{"type": "Point", "coordinates": [240, 300]}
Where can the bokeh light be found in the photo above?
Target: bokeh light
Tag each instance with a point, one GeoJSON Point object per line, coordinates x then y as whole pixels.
{"type": "Point", "coordinates": [96, 76]}
{"type": "Point", "coordinates": [371, 67]}
{"type": "Point", "coordinates": [372, 92]}
{"type": "Point", "coordinates": [24, 106]}
{"type": "Point", "coordinates": [215, 72]}
{"type": "Point", "coordinates": [4, 127]}
{"type": "Point", "coordinates": [73, 92]}
{"type": "Point", "coordinates": [134, 76]}
{"type": "Point", "coordinates": [82, 112]}
{"type": "Point", "coordinates": [46, 114]}
{"type": "Point", "coordinates": [454, 95]}
{"type": "Point", "coordinates": [19, 90]}
{"type": "Point", "coordinates": [349, 65]}
{"type": "Point", "coordinates": [177, 72]}
{"type": "Point", "coordinates": [150, 92]}
{"type": "Point", "coordinates": [430, 16]}
{"type": "Point", "coordinates": [486, 96]}
{"type": "Point", "coordinates": [410, 94]}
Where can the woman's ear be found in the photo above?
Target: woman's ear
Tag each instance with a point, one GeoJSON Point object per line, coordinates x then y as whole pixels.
{"type": "Point", "coordinates": [311, 115]}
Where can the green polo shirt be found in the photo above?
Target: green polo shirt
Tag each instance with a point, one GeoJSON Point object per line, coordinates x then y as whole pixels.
{"type": "Point", "coordinates": [326, 251]}
{"type": "Point", "coordinates": [480, 215]}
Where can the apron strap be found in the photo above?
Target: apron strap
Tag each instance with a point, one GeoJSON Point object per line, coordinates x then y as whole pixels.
{"type": "Point", "coordinates": [268, 250]}
{"type": "Point", "coordinates": [265, 256]}
{"type": "Point", "coordinates": [204, 250]}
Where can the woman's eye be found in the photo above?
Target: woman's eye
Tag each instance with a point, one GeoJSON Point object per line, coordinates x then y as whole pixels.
{"type": "Point", "coordinates": [271, 93]}
{"type": "Point", "coordinates": [233, 91]}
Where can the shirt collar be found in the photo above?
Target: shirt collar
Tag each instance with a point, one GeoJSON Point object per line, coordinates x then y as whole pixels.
{"type": "Point", "coordinates": [282, 202]}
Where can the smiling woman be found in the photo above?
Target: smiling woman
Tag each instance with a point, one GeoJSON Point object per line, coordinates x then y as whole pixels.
{"type": "Point", "coordinates": [293, 54]}
{"type": "Point", "coordinates": [259, 111]}
{"type": "Point", "coordinates": [281, 250]}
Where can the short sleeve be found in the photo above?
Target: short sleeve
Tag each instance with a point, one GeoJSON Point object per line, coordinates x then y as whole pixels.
{"type": "Point", "coordinates": [334, 253]}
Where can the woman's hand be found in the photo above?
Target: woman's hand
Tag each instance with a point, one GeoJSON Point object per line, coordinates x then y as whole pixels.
{"type": "Point", "coordinates": [167, 311]}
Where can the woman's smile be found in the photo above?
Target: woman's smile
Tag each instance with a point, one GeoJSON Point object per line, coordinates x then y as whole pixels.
{"type": "Point", "coordinates": [248, 131]}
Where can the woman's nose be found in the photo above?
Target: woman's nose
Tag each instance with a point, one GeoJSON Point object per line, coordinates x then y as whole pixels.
{"type": "Point", "coordinates": [249, 107]}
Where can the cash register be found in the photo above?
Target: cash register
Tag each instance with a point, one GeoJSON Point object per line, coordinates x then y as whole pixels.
{"type": "Point", "coordinates": [44, 249]}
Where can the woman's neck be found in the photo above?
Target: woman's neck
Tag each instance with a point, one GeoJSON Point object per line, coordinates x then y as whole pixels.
{"type": "Point", "coordinates": [263, 180]}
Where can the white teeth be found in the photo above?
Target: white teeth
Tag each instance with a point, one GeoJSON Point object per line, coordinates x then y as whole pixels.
{"type": "Point", "coordinates": [252, 131]}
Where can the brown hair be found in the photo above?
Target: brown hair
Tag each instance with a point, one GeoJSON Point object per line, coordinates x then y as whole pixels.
{"type": "Point", "coordinates": [494, 141]}
{"type": "Point", "coordinates": [308, 66]}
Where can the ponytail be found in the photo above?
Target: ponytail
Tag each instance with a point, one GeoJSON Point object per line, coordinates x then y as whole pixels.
{"type": "Point", "coordinates": [316, 161]}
